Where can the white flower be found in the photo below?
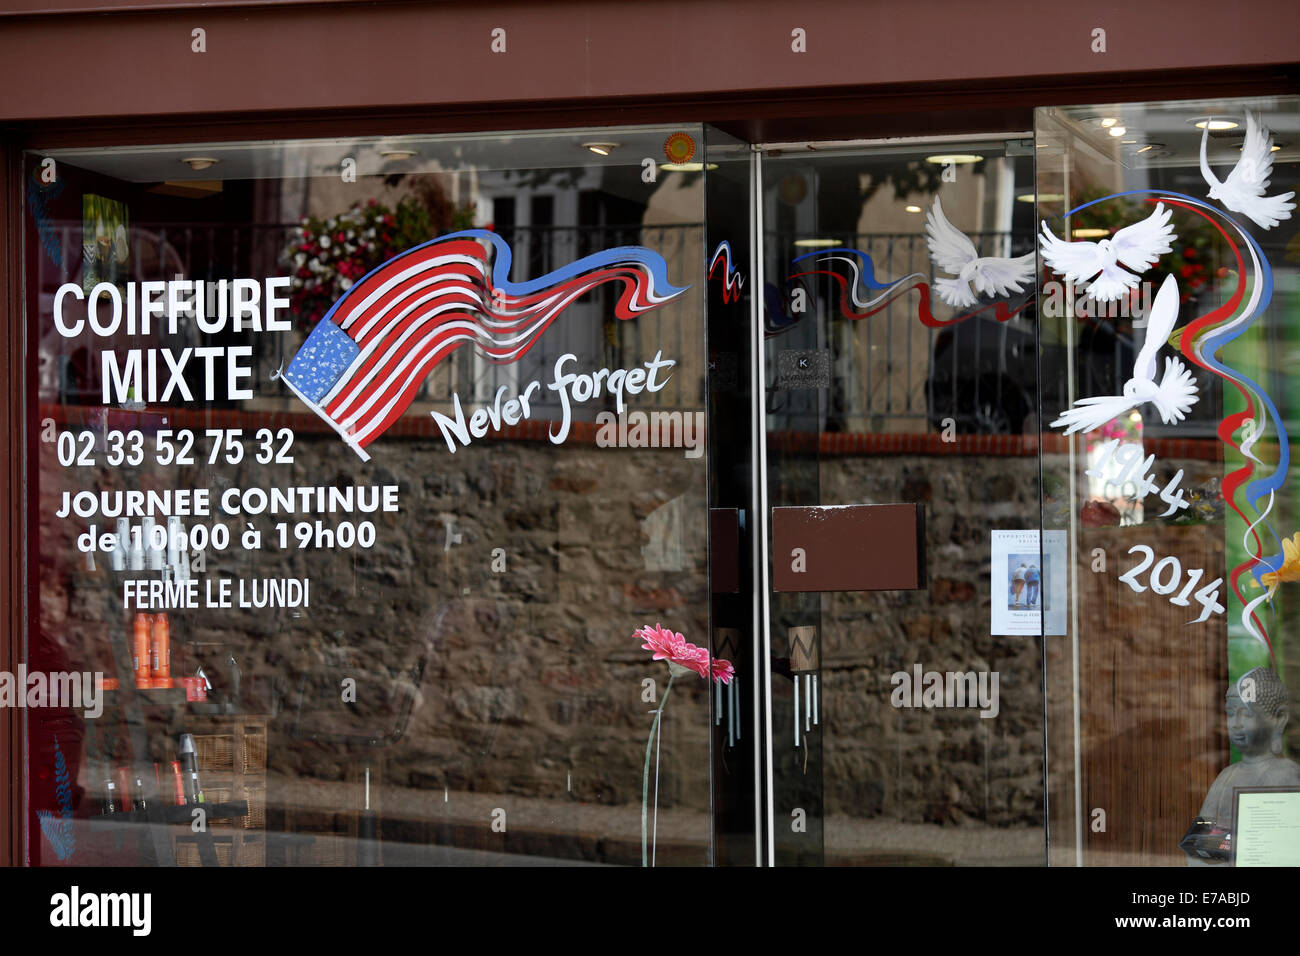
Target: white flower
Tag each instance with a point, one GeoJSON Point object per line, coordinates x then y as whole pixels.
{"type": "Point", "coordinates": [299, 259]}
{"type": "Point", "coordinates": [352, 234]}
{"type": "Point", "coordinates": [324, 242]}
{"type": "Point", "coordinates": [346, 284]}
{"type": "Point", "coordinates": [314, 265]}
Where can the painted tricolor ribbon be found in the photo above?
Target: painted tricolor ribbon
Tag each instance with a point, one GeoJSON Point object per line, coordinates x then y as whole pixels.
{"type": "Point", "coordinates": [859, 270]}
{"type": "Point", "coordinates": [1224, 324]}
{"type": "Point", "coordinates": [364, 362]}
{"type": "Point", "coordinates": [732, 280]}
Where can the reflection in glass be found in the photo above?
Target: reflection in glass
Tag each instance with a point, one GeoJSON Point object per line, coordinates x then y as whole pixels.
{"type": "Point", "coordinates": [453, 678]}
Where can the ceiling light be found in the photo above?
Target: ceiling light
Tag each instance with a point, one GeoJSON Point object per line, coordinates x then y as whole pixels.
{"type": "Point", "coordinates": [1090, 233]}
{"type": "Point", "coordinates": [816, 243]}
{"type": "Point", "coordinates": [1129, 142]}
{"type": "Point", "coordinates": [1214, 124]}
{"type": "Point", "coordinates": [912, 208]}
{"type": "Point", "coordinates": [1274, 149]}
{"type": "Point", "coordinates": [601, 149]}
{"type": "Point", "coordinates": [1151, 146]}
{"type": "Point", "coordinates": [197, 163]}
{"type": "Point", "coordinates": [687, 167]}
{"type": "Point", "coordinates": [955, 159]}
{"type": "Point", "coordinates": [397, 154]}
{"type": "Point", "coordinates": [1117, 131]}
{"type": "Point", "coordinates": [1041, 197]}
{"type": "Point", "coordinates": [1108, 122]}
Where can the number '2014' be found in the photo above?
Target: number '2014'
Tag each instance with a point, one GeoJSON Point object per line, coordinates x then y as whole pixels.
{"type": "Point", "coordinates": [1165, 578]}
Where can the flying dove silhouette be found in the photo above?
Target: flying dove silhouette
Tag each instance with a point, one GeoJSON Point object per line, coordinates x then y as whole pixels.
{"type": "Point", "coordinates": [1138, 246]}
{"type": "Point", "coordinates": [952, 251]}
{"type": "Point", "coordinates": [1176, 392]}
{"type": "Point", "coordinates": [1243, 190]}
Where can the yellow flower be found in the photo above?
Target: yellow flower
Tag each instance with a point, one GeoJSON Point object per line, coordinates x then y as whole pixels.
{"type": "Point", "coordinates": [1290, 570]}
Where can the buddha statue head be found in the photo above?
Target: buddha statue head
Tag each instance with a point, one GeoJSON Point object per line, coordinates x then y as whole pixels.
{"type": "Point", "coordinates": [1256, 708]}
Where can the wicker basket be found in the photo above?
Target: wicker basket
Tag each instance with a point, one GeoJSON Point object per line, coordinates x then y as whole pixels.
{"type": "Point", "coordinates": [216, 752]}
{"type": "Point", "coordinates": [255, 751]}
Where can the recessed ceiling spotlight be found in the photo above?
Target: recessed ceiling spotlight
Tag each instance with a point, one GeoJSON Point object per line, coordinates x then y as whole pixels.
{"type": "Point", "coordinates": [1208, 122]}
{"type": "Point", "coordinates": [397, 154]}
{"type": "Point", "coordinates": [1087, 233]}
{"type": "Point", "coordinates": [1108, 121]}
{"type": "Point", "coordinates": [686, 167]}
{"type": "Point", "coordinates": [816, 243]}
{"type": "Point", "coordinates": [197, 163]}
{"type": "Point", "coordinates": [601, 149]}
{"type": "Point", "coordinates": [1150, 146]}
{"type": "Point", "coordinates": [912, 208]}
{"type": "Point", "coordinates": [1041, 197]}
{"type": "Point", "coordinates": [955, 159]}
{"type": "Point", "coordinates": [1117, 131]}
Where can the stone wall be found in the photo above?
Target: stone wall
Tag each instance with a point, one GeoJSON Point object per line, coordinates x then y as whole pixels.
{"type": "Point", "coordinates": [526, 683]}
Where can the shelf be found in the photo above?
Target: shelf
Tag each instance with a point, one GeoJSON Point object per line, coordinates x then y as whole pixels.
{"type": "Point", "coordinates": [172, 814]}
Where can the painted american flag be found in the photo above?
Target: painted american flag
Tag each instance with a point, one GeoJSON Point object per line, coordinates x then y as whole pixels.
{"type": "Point", "coordinates": [364, 362]}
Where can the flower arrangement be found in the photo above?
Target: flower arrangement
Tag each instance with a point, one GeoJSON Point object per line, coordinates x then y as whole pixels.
{"type": "Point", "coordinates": [683, 658]}
{"type": "Point", "coordinates": [328, 254]}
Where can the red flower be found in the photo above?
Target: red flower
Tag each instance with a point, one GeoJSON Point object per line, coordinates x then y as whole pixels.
{"type": "Point", "coordinates": [1186, 271]}
{"type": "Point", "coordinates": [1189, 253]}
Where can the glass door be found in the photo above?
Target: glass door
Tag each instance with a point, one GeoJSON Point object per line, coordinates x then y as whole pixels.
{"type": "Point", "coordinates": [909, 583]}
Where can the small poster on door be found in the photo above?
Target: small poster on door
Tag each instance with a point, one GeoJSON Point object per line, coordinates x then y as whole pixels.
{"type": "Point", "coordinates": [1027, 583]}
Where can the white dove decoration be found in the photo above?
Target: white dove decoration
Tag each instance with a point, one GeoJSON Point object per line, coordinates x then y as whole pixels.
{"type": "Point", "coordinates": [1138, 246]}
{"type": "Point", "coordinates": [952, 251]}
{"type": "Point", "coordinates": [1243, 190]}
{"type": "Point", "coordinates": [1176, 392]}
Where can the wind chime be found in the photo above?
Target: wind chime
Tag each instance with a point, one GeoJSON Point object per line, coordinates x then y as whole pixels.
{"type": "Point", "coordinates": [805, 661]}
{"type": "Point", "coordinates": [726, 645]}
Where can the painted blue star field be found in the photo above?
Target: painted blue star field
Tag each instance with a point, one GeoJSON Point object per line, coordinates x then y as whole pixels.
{"type": "Point", "coordinates": [322, 360]}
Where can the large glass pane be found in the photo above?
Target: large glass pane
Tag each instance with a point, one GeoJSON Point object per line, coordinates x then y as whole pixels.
{"type": "Point", "coordinates": [1169, 322]}
{"type": "Point", "coordinates": [356, 465]}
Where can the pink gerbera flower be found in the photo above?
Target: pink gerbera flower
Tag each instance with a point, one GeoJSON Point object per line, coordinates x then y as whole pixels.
{"type": "Point", "coordinates": [665, 644]}
{"type": "Point", "coordinates": [672, 647]}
